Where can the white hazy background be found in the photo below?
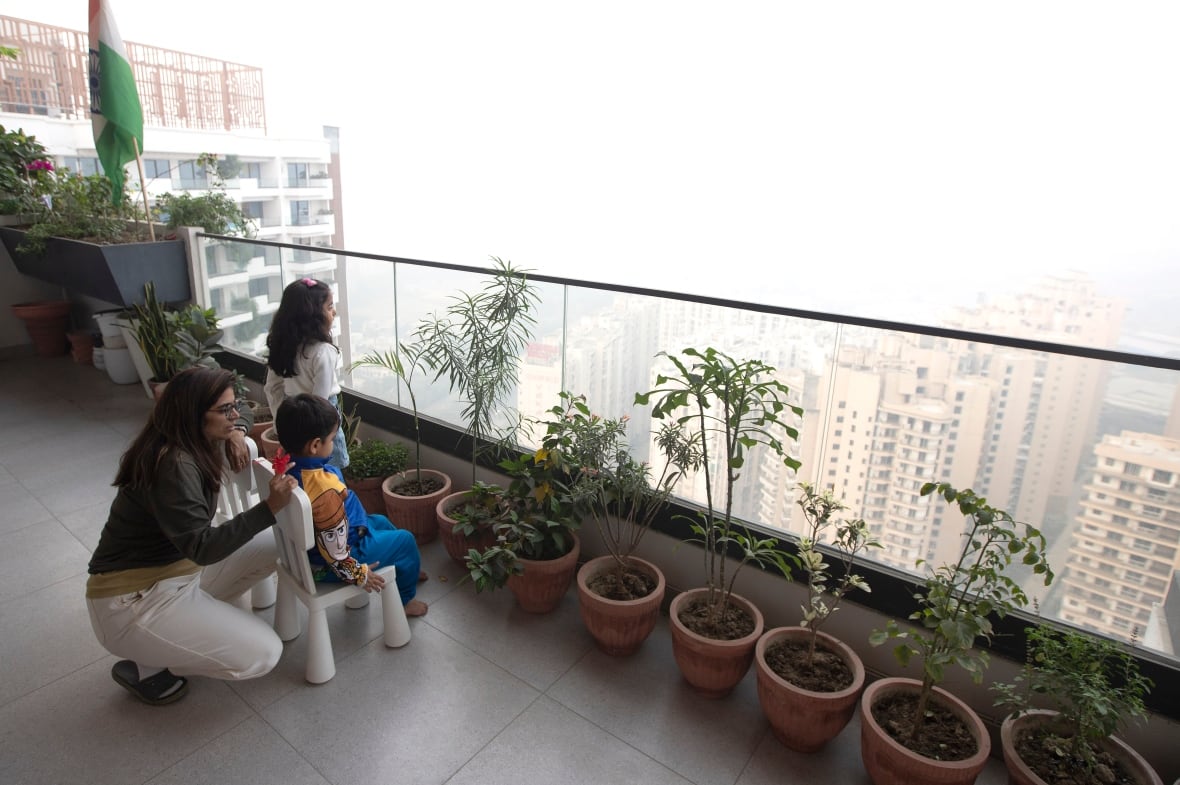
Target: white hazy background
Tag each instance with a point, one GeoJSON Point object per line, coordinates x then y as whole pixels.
{"type": "Point", "coordinates": [875, 158]}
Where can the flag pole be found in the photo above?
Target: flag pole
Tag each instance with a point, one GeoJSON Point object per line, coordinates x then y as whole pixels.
{"type": "Point", "coordinates": [143, 189]}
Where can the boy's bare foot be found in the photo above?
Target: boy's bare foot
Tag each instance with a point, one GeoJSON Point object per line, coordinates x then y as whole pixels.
{"type": "Point", "coordinates": [422, 576]}
{"type": "Point", "coordinates": [416, 608]}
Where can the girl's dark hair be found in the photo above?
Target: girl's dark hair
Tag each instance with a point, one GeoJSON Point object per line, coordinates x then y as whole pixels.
{"type": "Point", "coordinates": [302, 418]}
{"type": "Point", "coordinates": [298, 322]}
{"type": "Point", "coordinates": [177, 422]}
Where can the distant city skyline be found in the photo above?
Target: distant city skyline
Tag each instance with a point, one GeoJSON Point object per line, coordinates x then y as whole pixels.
{"type": "Point", "coordinates": [879, 160]}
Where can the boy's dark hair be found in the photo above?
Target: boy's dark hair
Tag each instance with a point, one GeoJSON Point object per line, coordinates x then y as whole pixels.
{"type": "Point", "coordinates": [303, 418]}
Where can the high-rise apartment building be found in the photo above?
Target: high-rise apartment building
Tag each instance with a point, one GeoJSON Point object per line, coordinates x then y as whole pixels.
{"type": "Point", "coordinates": [192, 105]}
{"type": "Point", "coordinates": [1123, 555]}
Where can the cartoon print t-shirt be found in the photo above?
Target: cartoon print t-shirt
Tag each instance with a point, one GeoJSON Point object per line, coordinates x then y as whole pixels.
{"type": "Point", "coordinates": [333, 534]}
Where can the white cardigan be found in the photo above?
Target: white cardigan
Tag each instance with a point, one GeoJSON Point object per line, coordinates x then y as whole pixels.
{"type": "Point", "coordinates": [316, 372]}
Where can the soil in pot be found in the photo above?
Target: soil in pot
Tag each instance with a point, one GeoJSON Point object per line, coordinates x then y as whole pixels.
{"type": "Point", "coordinates": [423, 486]}
{"type": "Point", "coordinates": [733, 623]}
{"type": "Point", "coordinates": [826, 673]}
{"type": "Point", "coordinates": [944, 736]}
{"type": "Point", "coordinates": [1048, 756]}
{"type": "Point", "coordinates": [630, 585]}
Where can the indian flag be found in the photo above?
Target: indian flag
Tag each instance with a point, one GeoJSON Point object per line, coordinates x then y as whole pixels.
{"type": "Point", "coordinates": [115, 112]}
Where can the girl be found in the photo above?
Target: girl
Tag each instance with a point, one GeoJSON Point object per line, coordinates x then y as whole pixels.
{"type": "Point", "coordinates": [162, 576]}
{"type": "Point", "coordinates": [302, 357]}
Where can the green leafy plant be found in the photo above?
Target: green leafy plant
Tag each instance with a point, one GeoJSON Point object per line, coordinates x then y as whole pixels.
{"type": "Point", "coordinates": [849, 538]}
{"type": "Point", "coordinates": [614, 489]}
{"type": "Point", "coordinates": [481, 506]}
{"type": "Point", "coordinates": [958, 599]}
{"type": "Point", "coordinates": [80, 208]}
{"type": "Point", "coordinates": [376, 458]}
{"type": "Point", "coordinates": [25, 171]}
{"type": "Point", "coordinates": [404, 363]}
{"type": "Point", "coordinates": [538, 510]}
{"type": "Point", "coordinates": [477, 345]}
{"type": "Point", "coordinates": [1093, 683]}
{"type": "Point", "coordinates": [173, 340]}
{"type": "Point", "coordinates": [215, 212]}
{"type": "Point", "coordinates": [727, 408]}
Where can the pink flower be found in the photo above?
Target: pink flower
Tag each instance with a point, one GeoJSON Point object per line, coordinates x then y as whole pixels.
{"type": "Point", "coordinates": [40, 166]}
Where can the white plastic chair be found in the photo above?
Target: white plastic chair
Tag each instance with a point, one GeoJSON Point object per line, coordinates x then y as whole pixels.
{"type": "Point", "coordinates": [237, 495]}
{"type": "Point", "coordinates": [293, 534]}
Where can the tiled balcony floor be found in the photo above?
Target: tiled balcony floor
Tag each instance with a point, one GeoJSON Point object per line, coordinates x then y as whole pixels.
{"type": "Point", "coordinates": [483, 694]}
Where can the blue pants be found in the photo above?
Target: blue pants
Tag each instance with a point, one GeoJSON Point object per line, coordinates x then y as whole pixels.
{"type": "Point", "coordinates": [339, 457]}
{"type": "Point", "coordinates": [387, 545]}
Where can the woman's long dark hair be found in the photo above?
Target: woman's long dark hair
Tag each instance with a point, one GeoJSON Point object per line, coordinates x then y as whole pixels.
{"type": "Point", "coordinates": [178, 423]}
{"type": "Point", "coordinates": [298, 322]}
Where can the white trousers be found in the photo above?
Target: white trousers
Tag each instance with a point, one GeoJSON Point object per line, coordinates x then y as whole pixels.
{"type": "Point", "coordinates": [188, 625]}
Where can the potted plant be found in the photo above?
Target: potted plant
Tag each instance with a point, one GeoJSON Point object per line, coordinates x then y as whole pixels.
{"type": "Point", "coordinates": [477, 345]}
{"type": "Point", "coordinates": [1093, 686]}
{"type": "Point", "coordinates": [808, 681]}
{"type": "Point", "coordinates": [465, 520]}
{"type": "Point", "coordinates": [174, 339]}
{"type": "Point", "coordinates": [914, 731]}
{"type": "Point", "coordinates": [370, 462]}
{"type": "Point", "coordinates": [619, 594]}
{"type": "Point", "coordinates": [411, 500]}
{"type": "Point", "coordinates": [728, 407]}
{"type": "Point", "coordinates": [536, 549]}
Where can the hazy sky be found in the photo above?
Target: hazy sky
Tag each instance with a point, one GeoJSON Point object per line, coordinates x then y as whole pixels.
{"type": "Point", "coordinates": [805, 154]}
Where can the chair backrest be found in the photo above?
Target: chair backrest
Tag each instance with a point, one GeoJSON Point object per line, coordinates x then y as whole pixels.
{"type": "Point", "coordinates": [293, 529]}
{"type": "Point", "coordinates": [238, 490]}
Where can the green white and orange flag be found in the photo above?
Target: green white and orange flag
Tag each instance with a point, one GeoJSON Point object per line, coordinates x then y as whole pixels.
{"type": "Point", "coordinates": [115, 112]}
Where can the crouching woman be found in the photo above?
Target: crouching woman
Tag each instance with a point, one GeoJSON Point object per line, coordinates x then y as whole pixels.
{"type": "Point", "coordinates": [163, 577]}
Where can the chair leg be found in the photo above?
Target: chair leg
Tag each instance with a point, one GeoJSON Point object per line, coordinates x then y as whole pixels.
{"type": "Point", "coordinates": [287, 614]}
{"type": "Point", "coordinates": [263, 593]}
{"type": "Point", "coordinates": [321, 666]}
{"type": "Point", "coordinates": [358, 600]}
{"type": "Point", "coordinates": [397, 627]}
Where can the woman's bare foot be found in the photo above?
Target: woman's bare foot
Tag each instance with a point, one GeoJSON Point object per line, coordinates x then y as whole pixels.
{"type": "Point", "coordinates": [422, 576]}
{"type": "Point", "coordinates": [416, 608]}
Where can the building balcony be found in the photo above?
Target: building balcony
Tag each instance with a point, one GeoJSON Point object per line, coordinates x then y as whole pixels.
{"type": "Point", "coordinates": [508, 692]}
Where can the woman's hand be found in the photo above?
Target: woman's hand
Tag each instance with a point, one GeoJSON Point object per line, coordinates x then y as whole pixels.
{"type": "Point", "coordinates": [281, 486]}
{"type": "Point", "coordinates": [237, 451]}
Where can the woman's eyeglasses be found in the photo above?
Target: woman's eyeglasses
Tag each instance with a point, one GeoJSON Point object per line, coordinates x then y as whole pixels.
{"type": "Point", "coordinates": [226, 408]}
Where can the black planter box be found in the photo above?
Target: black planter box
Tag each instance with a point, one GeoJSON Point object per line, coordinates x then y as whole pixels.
{"type": "Point", "coordinates": [114, 273]}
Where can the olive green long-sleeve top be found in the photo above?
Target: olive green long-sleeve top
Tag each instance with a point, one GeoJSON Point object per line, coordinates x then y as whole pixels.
{"type": "Point", "coordinates": [170, 521]}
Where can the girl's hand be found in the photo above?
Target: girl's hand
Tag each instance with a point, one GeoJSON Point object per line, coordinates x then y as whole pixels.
{"type": "Point", "coordinates": [281, 486]}
{"type": "Point", "coordinates": [375, 583]}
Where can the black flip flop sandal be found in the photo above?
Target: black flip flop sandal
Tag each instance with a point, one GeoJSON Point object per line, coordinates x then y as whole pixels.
{"type": "Point", "coordinates": [163, 688]}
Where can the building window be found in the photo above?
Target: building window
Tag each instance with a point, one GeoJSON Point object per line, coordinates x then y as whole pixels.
{"type": "Point", "coordinates": [300, 213]}
{"type": "Point", "coordinates": [192, 175]}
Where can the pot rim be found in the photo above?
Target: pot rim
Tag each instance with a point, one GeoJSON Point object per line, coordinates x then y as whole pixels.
{"type": "Point", "coordinates": [983, 740]}
{"type": "Point", "coordinates": [747, 605]}
{"type": "Point", "coordinates": [834, 644]}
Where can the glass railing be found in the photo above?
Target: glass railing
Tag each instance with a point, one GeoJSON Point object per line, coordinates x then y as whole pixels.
{"type": "Point", "coordinates": [1043, 427]}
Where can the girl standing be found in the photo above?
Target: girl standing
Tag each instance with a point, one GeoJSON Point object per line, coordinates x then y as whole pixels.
{"type": "Point", "coordinates": [302, 357]}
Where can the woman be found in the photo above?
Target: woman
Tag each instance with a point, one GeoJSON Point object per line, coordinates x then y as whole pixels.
{"type": "Point", "coordinates": [162, 577]}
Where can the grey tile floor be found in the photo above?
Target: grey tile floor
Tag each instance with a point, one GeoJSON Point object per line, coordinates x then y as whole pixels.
{"type": "Point", "coordinates": [484, 693]}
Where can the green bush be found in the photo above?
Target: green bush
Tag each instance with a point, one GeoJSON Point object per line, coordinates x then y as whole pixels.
{"type": "Point", "coordinates": [375, 458]}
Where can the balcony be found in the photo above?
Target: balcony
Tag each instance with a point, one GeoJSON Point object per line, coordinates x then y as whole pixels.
{"type": "Point", "coordinates": [506, 688]}
{"type": "Point", "coordinates": [482, 688]}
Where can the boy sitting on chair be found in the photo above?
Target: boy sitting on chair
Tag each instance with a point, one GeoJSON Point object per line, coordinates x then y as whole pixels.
{"type": "Point", "coordinates": [350, 543]}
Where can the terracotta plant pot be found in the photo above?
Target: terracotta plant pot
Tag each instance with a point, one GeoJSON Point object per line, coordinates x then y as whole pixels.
{"type": "Point", "coordinates": [889, 763]}
{"type": "Point", "coordinates": [46, 323]}
{"type": "Point", "coordinates": [456, 543]}
{"type": "Point", "coordinates": [81, 346]}
{"type": "Point", "coordinates": [712, 667]}
{"type": "Point", "coordinates": [805, 720]}
{"type": "Point", "coordinates": [1020, 774]}
{"type": "Point", "coordinates": [269, 444]}
{"type": "Point", "coordinates": [619, 627]}
{"type": "Point", "coordinates": [415, 514]}
{"type": "Point", "coordinates": [368, 491]}
{"type": "Point", "coordinates": [542, 585]}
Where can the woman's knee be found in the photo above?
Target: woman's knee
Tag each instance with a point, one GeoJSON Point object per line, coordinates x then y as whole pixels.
{"type": "Point", "coordinates": [256, 657]}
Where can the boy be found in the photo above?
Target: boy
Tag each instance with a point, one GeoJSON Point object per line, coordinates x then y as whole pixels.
{"type": "Point", "coordinates": [349, 542]}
